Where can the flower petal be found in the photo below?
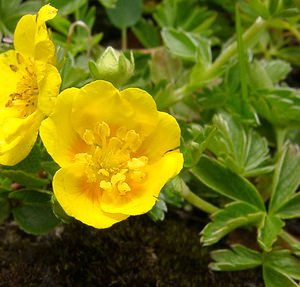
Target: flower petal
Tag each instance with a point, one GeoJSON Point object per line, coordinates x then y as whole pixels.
{"type": "Point", "coordinates": [9, 75]}
{"type": "Point", "coordinates": [49, 81]}
{"type": "Point", "coordinates": [101, 101]}
{"type": "Point", "coordinates": [81, 199]}
{"type": "Point", "coordinates": [143, 196]}
{"type": "Point", "coordinates": [31, 35]}
{"type": "Point", "coordinates": [57, 133]}
{"type": "Point", "coordinates": [17, 136]}
{"type": "Point", "coordinates": [164, 138]}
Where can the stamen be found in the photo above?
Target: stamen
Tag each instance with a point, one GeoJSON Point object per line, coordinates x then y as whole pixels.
{"type": "Point", "coordinates": [111, 162]}
{"type": "Point", "coordinates": [105, 185]}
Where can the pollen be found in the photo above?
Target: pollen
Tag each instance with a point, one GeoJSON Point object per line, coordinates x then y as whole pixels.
{"type": "Point", "coordinates": [112, 160]}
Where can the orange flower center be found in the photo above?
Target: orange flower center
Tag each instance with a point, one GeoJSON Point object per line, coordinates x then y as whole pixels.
{"type": "Point", "coordinates": [112, 163]}
{"type": "Point", "coordinates": [24, 100]}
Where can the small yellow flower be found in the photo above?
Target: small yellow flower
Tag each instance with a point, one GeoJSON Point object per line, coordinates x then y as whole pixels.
{"type": "Point", "coordinates": [116, 152]}
{"type": "Point", "coordinates": [29, 85]}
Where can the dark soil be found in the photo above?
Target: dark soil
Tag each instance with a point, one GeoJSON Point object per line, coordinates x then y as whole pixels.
{"type": "Point", "coordinates": [136, 252]}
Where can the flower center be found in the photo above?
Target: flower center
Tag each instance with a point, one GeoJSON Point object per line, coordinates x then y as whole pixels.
{"type": "Point", "coordinates": [24, 100]}
{"type": "Point", "coordinates": [111, 162]}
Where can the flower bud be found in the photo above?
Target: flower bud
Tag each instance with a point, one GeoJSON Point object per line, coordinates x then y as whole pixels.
{"type": "Point", "coordinates": [112, 66]}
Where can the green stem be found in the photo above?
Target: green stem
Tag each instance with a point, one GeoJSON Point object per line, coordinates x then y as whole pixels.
{"type": "Point", "coordinates": [75, 24]}
{"type": "Point", "coordinates": [124, 38]}
{"type": "Point", "coordinates": [195, 200]}
{"type": "Point", "coordinates": [249, 38]}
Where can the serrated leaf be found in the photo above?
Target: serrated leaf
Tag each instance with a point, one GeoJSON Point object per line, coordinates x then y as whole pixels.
{"type": "Point", "coordinates": [280, 107]}
{"type": "Point", "coordinates": [290, 209]}
{"type": "Point", "coordinates": [238, 258]}
{"type": "Point", "coordinates": [224, 181]}
{"type": "Point", "coordinates": [277, 70]}
{"type": "Point", "coordinates": [157, 213]}
{"type": "Point", "coordinates": [195, 143]}
{"type": "Point", "coordinates": [234, 215]}
{"type": "Point", "coordinates": [286, 177]}
{"type": "Point", "coordinates": [180, 43]}
{"type": "Point", "coordinates": [284, 262]}
{"type": "Point", "coordinates": [243, 151]}
{"type": "Point", "coordinates": [35, 218]}
{"type": "Point", "coordinates": [147, 33]}
{"type": "Point", "coordinates": [268, 231]}
{"type": "Point", "coordinates": [273, 278]}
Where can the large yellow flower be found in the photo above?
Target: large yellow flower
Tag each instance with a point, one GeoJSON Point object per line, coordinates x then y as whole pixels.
{"type": "Point", "coordinates": [116, 152]}
{"type": "Point", "coordinates": [29, 85]}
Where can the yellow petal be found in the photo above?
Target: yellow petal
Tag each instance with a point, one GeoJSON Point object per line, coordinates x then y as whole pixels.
{"type": "Point", "coordinates": [101, 101]}
{"type": "Point", "coordinates": [57, 133]}
{"type": "Point", "coordinates": [9, 75]}
{"type": "Point", "coordinates": [143, 195]}
{"type": "Point", "coordinates": [49, 81]}
{"type": "Point", "coordinates": [165, 137]}
{"type": "Point", "coordinates": [80, 199]}
{"type": "Point", "coordinates": [17, 136]}
{"type": "Point", "coordinates": [24, 36]}
{"type": "Point", "coordinates": [31, 35]}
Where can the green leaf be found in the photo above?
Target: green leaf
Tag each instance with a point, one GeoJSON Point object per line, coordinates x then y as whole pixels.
{"type": "Point", "coordinates": [268, 231]}
{"type": "Point", "coordinates": [59, 212]}
{"type": "Point", "coordinates": [171, 195]}
{"type": "Point", "coordinates": [286, 177]}
{"type": "Point", "coordinates": [195, 143]}
{"type": "Point", "coordinates": [35, 218]}
{"type": "Point", "coordinates": [234, 215]}
{"type": "Point", "coordinates": [188, 46]}
{"type": "Point", "coordinates": [126, 13]}
{"type": "Point", "coordinates": [273, 278]}
{"type": "Point", "coordinates": [147, 33]}
{"type": "Point", "coordinates": [25, 179]}
{"type": "Point", "coordinates": [284, 262]}
{"type": "Point", "coordinates": [184, 14]}
{"type": "Point", "coordinates": [108, 3]}
{"type": "Point", "coordinates": [280, 107]}
{"type": "Point", "coordinates": [66, 7]}
{"type": "Point", "coordinates": [157, 213]}
{"type": "Point", "coordinates": [31, 195]}
{"type": "Point", "coordinates": [4, 209]}
{"type": "Point", "coordinates": [164, 67]}
{"type": "Point", "coordinates": [238, 258]}
{"type": "Point", "coordinates": [224, 181]}
{"type": "Point", "coordinates": [243, 151]}
{"type": "Point", "coordinates": [277, 70]}
{"type": "Point", "coordinates": [180, 43]}
{"type": "Point", "coordinates": [290, 209]}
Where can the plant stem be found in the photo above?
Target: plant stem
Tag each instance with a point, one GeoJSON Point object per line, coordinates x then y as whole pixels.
{"type": "Point", "coordinates": [124, 38]}
{"type": "Point", "coordinates": [249, 38]}
{"type": "Point", "coordinates": [82, 24]}
{"type": "Point", "coordinates": [195, 200]}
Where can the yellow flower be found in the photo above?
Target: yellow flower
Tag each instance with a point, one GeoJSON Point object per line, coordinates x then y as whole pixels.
{"type": "Point", "coordinates": [116, 152]}
{"type": "Point", "coordinates": [29, 85]}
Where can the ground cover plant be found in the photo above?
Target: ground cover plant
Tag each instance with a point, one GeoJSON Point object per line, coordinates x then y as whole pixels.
{"type": "Point", "coordinates": [111, 109]}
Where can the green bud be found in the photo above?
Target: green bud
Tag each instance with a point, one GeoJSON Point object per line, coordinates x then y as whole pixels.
{"type": "Point", "coordinates": [112, 66]}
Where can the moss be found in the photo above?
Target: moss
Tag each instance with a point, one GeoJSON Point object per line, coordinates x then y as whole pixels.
{"type": "Point", "coordinates": [136, 252]}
